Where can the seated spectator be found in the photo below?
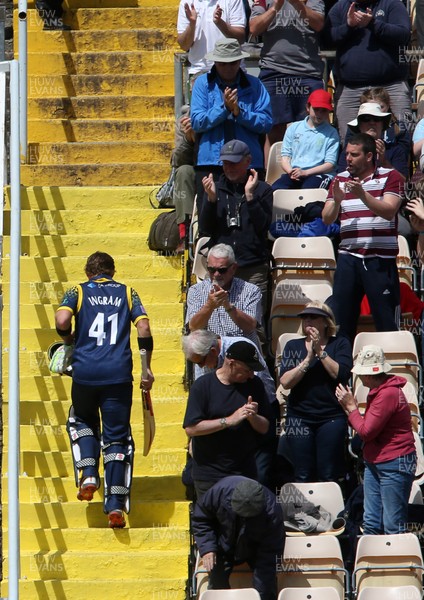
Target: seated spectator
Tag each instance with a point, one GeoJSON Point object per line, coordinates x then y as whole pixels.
{"type": "Point", "coordinates": [227, 413]}
{"type": "Point", "coordinates": [311, 368]}
{"type": "Point", "coordinates": [236, 521]}
{"type": "Point", "coordinates": [201, 24]}
{"type": "Point", "coordinates": [228, 104]}
{"type": "Point", "coordinates": [237, 211]}
{"type": "Point", "coordinates": [418, 138]}
{"type": "Point", "coordinates": [310, 147]}
{"type": "Point", "coordinates": [224, 303]}
{"type": "Point", "coordinates": [184, 185]}
{"type": "Point", "coordinates": [375, 122]}
{"type": "Point", "coordinates": [208, 349]}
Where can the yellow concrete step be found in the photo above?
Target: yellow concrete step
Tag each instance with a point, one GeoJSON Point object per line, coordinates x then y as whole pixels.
{"type": "Point", "coordinates": [167, 359]}
{"type": "Point", "coordinates": [101, 63]}
{"type": "Point", "coordinates": [85, 221]}
{"type": "Point", "coordinates": [50, 439]}
{"type": "Point", "coordinates": [84, 245]}
{"type": "Point", "coordinates": [155, 589]}
{"type": "Point", "coordinates": [59, 463]}
{"type": "Point", "coordinates": [158, 128]}
{"type": "Point", "coordinates": [86, 566]}
{"type": "Point", "coordinates": [95, 152]}
{"type": "Point", "coordinates": [157, 538]}
{"type": "Point", "coordinates": [90, 514]}
{"type": "Point", "coordinates": [53, 86]}
{"type": "Point", "coordinates": [149, 491]}
{"type": "Point", "coordinates": [49, 198]}
{"type": "Point", "coordinates": [42, 408]}
{"type": "Point", "coordinates": [52, 292]}
{"type": "Point", "coordinates": [91, 19]}
{"type": "Point", "coordinates": [34, 339]}
{"type": "Point", "coordinates": [76, 4]}
{"type": "Point", "coordinates": [58, 271]}
{"type": "Point", "coordinates": [125, 173]}
{"type": "Point", "coordinates": [90, 41]}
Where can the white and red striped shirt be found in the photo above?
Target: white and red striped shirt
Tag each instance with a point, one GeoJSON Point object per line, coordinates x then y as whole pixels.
{"type": "Point", "coordinates": [362, 232]}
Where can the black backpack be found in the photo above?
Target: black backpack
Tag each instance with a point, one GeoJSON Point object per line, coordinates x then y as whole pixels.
{"type": "Point", "coordinates": [164, 234]}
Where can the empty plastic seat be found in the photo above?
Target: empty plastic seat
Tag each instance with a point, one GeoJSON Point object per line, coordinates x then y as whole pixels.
{"type": "Point", "coordinates": [239, 594]}
{"type": "Point", "coordinates": [306, 260]}
{"type": "Point", "coordinates": [286, 201]}
{"type": "Point", "coordinates": [324, 593]}
{"type": "Point", "coordinates": [388, 561]}
{"type": "Point", "coordinates": [199, 268]}
{"type": "Point", "coordinates": [274, 168]}
{"type": "Point", "coordinates": [313, 562]}
{"type": "Point", "coordinates": [404, 592]}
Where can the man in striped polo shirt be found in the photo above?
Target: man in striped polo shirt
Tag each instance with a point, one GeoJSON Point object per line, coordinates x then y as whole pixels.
{"type": "Point", "coordinates": [366, 198]}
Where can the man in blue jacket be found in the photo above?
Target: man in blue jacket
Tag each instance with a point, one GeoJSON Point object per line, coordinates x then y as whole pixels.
{"type": "Point", "coordinates": [228, 104]}
{"type": "Point", "coordinates": [238, 520]}
{"type": "Point", "coordinates": [371, 37]}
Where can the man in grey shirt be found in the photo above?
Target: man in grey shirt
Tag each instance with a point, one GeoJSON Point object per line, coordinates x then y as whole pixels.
{"type": "Point", "coordinates": [291, 67]}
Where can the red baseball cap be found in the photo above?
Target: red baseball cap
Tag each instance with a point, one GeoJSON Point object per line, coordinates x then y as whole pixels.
{"type": "Point", "coordinates": [320, 99]}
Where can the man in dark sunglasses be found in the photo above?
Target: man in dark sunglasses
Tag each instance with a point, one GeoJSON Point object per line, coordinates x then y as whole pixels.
{"type": "Point", "coordinates": [222, 302]}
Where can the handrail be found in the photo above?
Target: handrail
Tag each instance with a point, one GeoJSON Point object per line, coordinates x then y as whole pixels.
{"type": "Point", "coordinates": [12, 67]}
{"type": "Point", "coordinates": [23, 80]}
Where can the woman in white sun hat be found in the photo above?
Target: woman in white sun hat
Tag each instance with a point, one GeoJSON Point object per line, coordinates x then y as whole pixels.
{"type": "Point", "coordinates": [388, 443]}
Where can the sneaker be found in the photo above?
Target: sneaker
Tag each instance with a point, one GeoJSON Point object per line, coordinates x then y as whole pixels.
{"type": "Point", "coordinates": [87, 488]}
{"type": "Point", "coordinates": [116, 519]}
{"type": "Point", "coordinates": [56, 24]}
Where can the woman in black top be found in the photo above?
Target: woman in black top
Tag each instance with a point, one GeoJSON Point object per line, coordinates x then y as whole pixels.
{"type": "Point", "coordinates": [311, 369]}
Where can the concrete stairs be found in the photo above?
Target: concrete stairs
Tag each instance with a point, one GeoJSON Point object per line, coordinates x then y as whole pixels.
{"type": "Point", "coordinates": [67, 550]}
{"type": "Point", "coordinates": [101, 99]}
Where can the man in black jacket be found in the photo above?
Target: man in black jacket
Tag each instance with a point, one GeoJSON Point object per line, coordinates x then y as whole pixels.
{"type": "Point", "coordinates": [237, 210]}
{"type": "Point", "coordinates": [238, 520]}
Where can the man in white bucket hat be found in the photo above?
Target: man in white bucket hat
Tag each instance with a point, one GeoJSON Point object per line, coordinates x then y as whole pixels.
{"type": "Point", "coordinates": [388, 443]}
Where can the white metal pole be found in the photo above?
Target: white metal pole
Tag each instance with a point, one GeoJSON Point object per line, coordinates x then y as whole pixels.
{"type": "Point", "coordinates": [15, 251]}
{"type": "Point", "coordinates": [23, 77]}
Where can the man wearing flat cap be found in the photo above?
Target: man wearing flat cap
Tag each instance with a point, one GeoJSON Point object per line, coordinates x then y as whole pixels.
{"type": "Point", "coordinates": [228, 104]}
{"type": "Point", "coordinates": [237, 210]}
{"type": "Point", "coordinates": [236, 521]}
{"type": "Point", "coordinates": [227, 414]}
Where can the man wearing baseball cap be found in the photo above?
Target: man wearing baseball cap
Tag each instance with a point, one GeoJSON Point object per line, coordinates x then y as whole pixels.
{"type": "Point", "coordinates": [310, 147]}
{"type": "Point", "coordinates": [227, 104]}
{"type": "Point", "coordinates": [237, 210]}
{"type": "Point", "coordinates": [227, 412]}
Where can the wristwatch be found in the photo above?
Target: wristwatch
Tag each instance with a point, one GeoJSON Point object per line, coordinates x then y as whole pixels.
{"type": "Point", "coordinates": [223, 422]}
{"type": "Point", "coordinates": [323, 355]}
{"type": "Point", "coordinates": [230, 308]}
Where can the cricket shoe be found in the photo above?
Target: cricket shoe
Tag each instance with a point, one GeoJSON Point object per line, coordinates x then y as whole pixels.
{"type": "Point", "coordinates": [116, 519]}
{"type": "Point", "coordinates": [88, 486]}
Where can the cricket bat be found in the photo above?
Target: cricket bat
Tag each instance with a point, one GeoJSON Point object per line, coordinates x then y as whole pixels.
{"type": "Point", "coordinates": [148, 416]}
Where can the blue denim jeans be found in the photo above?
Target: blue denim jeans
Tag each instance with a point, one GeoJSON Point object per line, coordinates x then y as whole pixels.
{"type": "Point", "coordinates": [387, 486]}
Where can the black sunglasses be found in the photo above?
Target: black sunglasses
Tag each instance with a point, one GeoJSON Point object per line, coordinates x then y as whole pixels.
{"type": "Point", "coordinates": [369, 118]}
{"type": "Point", "coordinates": [313, 317]}
{"type": "Point", "coordinates": [220, 270]}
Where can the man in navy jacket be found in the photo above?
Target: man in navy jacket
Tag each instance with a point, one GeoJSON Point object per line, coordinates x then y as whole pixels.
{"type": "Point", "coordinates": [238, 520]}
{"type": "Point", "coordinates": [370, 37]}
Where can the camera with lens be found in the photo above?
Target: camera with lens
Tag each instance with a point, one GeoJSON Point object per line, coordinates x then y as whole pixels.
{"type": "Point", "coordinates": [233, 221]}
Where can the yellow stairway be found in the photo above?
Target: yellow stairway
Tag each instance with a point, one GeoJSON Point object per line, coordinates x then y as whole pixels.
{"type": "Point", "coordinates": [67, 551]}
{"type": "Point", "coordinates": [101, 100]}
